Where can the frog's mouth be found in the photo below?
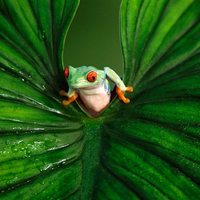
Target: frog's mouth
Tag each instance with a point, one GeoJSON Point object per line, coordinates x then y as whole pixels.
{"type": "Point", "coordinates": [88, 87]}
{"type": "Point", "coordinates": [84, 85]}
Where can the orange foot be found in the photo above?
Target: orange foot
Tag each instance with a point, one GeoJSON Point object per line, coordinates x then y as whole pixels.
{"type": "Point", "coordinates": [121, 96]}
{"type": "Point", "coordinates": [70, 100]}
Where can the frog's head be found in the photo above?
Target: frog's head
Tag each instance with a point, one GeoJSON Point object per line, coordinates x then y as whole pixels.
{"type": "Point", "coordinates": [83, 76]}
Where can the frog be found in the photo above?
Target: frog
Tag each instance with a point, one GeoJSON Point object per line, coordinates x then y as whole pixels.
{"type": "Point", "coordinates": [93, 88]}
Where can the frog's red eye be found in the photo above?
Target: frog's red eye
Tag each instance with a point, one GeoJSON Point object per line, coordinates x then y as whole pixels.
{"type": "Point", "coordinates": [66, 72]}
{"type": "Point", "coordinates": [92, 76]}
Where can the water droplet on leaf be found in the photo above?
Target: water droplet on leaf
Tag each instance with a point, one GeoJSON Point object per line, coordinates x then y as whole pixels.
{"type": "Point", "coordinates": [42, 35]}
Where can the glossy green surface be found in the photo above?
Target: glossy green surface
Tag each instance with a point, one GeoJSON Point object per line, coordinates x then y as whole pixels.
{"type": "Point", "coordinates": [147, 149]}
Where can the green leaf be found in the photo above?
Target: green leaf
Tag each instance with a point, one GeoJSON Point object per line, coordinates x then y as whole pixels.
{"type": "Point", "coordinates": [41, 141]}
{"type": "Point", "coordinates": [147, 149]}
{"type": "Point", "coordinates": [160, 127]}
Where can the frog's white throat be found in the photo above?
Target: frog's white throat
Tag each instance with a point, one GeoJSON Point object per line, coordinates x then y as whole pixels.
{"type": "Point", "coordinates": [95, 98]}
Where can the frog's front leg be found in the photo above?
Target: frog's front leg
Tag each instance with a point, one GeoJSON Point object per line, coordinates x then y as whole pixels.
{"type": "Point", "coordinates": [120, 87]}
{"type": "Point", "coordinates": [72, 96]}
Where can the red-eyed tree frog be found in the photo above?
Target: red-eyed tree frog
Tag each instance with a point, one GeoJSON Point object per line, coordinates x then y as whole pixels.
{"type": "Point", "coordinates": [91, 85]}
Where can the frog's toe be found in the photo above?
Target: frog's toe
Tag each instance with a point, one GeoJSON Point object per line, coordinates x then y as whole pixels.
{"type": "Point", "coordinates": [70, 100]}
{"type": "Point", "coordinates": [129, 89]}
{"type": "Point", "coordinates": [65, 103]}
{"type": "Point", "coordinates": [126, 100]}
{"type": "Point", "coordinates": [63, 93]}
